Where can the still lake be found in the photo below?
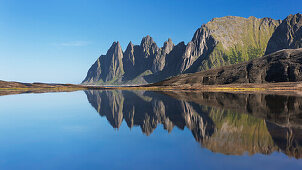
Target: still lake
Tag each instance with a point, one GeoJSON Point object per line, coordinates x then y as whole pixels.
{"type": "Point", "coordinates": [150, 130]}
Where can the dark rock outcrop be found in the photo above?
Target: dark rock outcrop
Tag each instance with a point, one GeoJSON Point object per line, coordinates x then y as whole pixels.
{"type": "Point", "coordinates": [281, 66]}
{"type": "Point", "coordinates": [288, 35]}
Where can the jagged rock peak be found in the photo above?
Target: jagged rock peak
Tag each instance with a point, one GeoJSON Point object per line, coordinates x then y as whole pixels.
{"type": "Point", "coordinates": [115, 50]}
{"type": "Point", "coordinates": [169, 41]}
{"type": "Point", "coordinates": [149, 49]}
{"type": "Point", "coordinates": [116, 47]}
{"type": "Point", "coordinates": [130, 44]}
{"type": "Point", "coordinates": [130, 47]}
{"type": "Point", "coordinates": [116, 43]}
{"type": "Point", "coordinates": [288, 35]}
{"type": "Point", "coordinates": [294, 20]}
{"type": "Point", "coordinates": [297, 15]}
{"type": "Point", "coordinates": [168, 46]}
{"type": "Point", "coordinates": [159, 61]}
{"type": "Point", "coordinates": [182, 43]}
{"type": "Point", "coordinates": [112, 66]}
{"type": "Point", "coordinates": [147, 40]}
{"type": "Point", "coordinates": [201, 43]}
{"type": "Point", "coordinates": [129, 58]}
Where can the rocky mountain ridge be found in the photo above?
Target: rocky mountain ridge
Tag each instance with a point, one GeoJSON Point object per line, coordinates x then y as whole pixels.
{"type": "Point", "coordinates": [222, 41]}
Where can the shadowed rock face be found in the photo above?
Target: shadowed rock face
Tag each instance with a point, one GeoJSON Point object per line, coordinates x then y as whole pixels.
{"type": "Point", "coordinates": [160, 58]}
{"type": "Point", "coordinates": [221, 122]}
{"type": "Point", "coordinates": [288, 35]}
{"type": "Point", "coordinates": [146, 58]}
{"type": "Point", "coordinates": [281, 66]}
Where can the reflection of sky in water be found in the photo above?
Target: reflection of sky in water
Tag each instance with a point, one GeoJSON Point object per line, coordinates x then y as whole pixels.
{"type": "Point", "coordinates": [63, 131]}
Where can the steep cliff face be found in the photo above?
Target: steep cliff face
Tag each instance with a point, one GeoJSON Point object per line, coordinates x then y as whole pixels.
{"type": "Point", "coordinates": [288, 35]}
{"type": "Point", "coordinates": [201, 45]}
{"type": "Point", "coordinates": [173, 62]}
{"type": "Point", "coordinates": [129, 59]}
{"type": "Point", "coordinates": [220, 42]}
{"type": "Point", "coordinates": [160, 58]}
{"type": "Point", "coordinates": [108, 67]}
{"type": "Point", "coordinates": [139, 60]}
{"type": "Point", "coordinates": [148, 52]}
{"type": "Point", "coordinates": [230, 40]}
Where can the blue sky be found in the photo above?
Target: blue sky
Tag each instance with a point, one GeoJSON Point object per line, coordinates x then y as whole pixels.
{"type": "Point", "coordinates": [58, 40]}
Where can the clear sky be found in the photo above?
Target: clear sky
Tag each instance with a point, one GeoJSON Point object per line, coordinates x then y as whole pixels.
{"type": "Point", "coordinates": [58, 40]}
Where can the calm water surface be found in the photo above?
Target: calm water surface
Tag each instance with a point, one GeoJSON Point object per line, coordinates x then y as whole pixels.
{"type": "Point", "coordinates": [150, 130]}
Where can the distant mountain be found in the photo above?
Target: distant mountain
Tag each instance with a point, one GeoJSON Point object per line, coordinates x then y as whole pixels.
{"type": "Point", "coordinates": [281, 66]}
{"type": "Point", "coordinates": [220, 42]}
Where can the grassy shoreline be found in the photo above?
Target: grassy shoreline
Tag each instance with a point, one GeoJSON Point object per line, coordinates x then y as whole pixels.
{"type": "Point", "coordinates": [249, 87]}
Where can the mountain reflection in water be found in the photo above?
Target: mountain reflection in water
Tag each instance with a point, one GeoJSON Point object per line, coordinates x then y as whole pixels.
{"type": "Point", "coordinates": [227, 123]}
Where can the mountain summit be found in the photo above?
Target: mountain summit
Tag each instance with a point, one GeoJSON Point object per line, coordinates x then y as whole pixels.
{"type": "Point", "coordinates": [107, 67]}
{"type": "Point", "coordinates": [287, 35]}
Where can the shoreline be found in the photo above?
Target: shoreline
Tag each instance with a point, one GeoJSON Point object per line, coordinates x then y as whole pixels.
{"type": "Point", "coordinates": [280, 88]}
